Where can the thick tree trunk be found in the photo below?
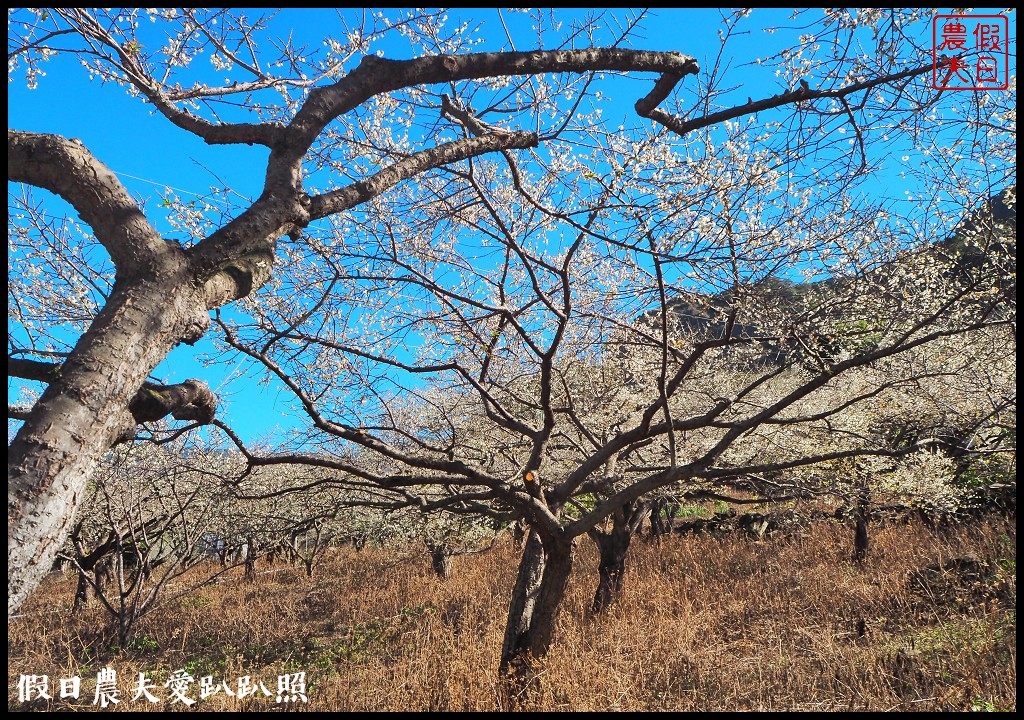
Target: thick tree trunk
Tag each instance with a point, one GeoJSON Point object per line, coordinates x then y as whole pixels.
{"type": "Point", "coordinates": [441, 559]}
{"type": "Point", "coordinates": [612, 548]}
{"type": "Point", "coordinates": [524, 597]}
{"type": "Point", "coordinates": [519, 534]}
{"type": "Point", "coordinates": [557, 569]}
{"type": "Point", "coordinates": [860, 539]}
{"type": "Point", "coordinates": [160, 297]}
{"type": "Point", "coordinates": [662, 512]}
{"type": "Point", "coordinates": [544, 572]}
{"type": "Point", "coordinates": [81, 593]}
{"type": "Point", "coordinates": [82, 413]}
{"type": "Point", "coordinates": [102, 574]}
{"type": "Point", "coordinates": [860, 533]}
{"type": "Point", "coordinates": [250, 560]}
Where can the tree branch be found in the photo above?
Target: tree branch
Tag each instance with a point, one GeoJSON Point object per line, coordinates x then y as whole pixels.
{"type": "Point", "coordinates": [67, 168]}
{"type": "Point", "coordinates": [190, 400]}
{"type": "Point", "coordinates": [646, 108]}
{"type": "Point", "coordinates": [446, 154]}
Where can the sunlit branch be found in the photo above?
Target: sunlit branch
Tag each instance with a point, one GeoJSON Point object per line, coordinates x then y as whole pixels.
{"type": "Point", "coordinates": [681, 126]}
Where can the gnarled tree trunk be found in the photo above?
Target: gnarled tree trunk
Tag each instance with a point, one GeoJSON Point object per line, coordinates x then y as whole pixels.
{"type": "Point", "coordinates": [441, 554]}
{"type": "Point", "coordinates": [80, 415]}
{"type": "Point", "coordinates": [93, 400]}
{"type": "Point", "coordinates": [662, 511]}
{"type": "Point", "coordinates": [612, 548]}
{"type": "Point", "coordinates": [541, 582]}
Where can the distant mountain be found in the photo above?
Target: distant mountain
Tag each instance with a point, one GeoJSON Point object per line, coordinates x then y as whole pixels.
{"type": "Point", "coordinates": [986, 235]}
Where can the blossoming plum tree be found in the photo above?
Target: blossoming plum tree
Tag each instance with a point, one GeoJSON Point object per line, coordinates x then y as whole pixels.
{"type": "Point", "coordinates": [487, 295]}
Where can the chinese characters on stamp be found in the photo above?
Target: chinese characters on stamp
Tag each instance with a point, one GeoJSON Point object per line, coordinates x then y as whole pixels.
{"type": "Point", "coordinates": [970, 52]}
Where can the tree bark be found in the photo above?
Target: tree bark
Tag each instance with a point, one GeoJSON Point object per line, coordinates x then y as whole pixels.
{"type": "Point", "coordinates": [82, 413]}
{"type": "Point", "coordinates": [557, 568]}
{"type": "Point", "coordinates": [612, 548]}
{"type": "Point", "coordinates": [663, 510]}
{"type": "Point", "coordinates": [543, 576]}
{"type": "Point", "coordinates": [155, 303]}
{"type": "Point", "coordinates": [190, 400]}
{"type": "Point", "coordinates": [160, 298]}
{"type": "Point", "coordinates": [860, 539]}
{"type": "Point", "coordinates": [250, 560]}
{"type": "Point", "coordinates": [81, 593]}
{"type": "Point", "coordinates": [518, 534]}
{"type": "Point", "coordinates": [524, 597]}
{"type": "Point", "coordinates": [441, 555]}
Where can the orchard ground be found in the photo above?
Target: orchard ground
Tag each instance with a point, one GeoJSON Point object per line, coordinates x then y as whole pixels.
{"type": "Point", "coordinates": [704, 623]}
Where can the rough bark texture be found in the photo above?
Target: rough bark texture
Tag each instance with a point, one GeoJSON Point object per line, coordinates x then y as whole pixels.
{"type": "Point", "coordinates": [441, 561]}
{"type": "Point", "coordinates": [66, 168]}
{"type": "Point", "coordinates": [250, 559]}
{"type": "Point", "coordinates": [663, 510]}
{"type": "Point", "coordinates": [81, 593]}
{"type": "Point", "coordinates": [87, 562]}
{"type": "Point", "coordinates": [557, 569]}
{"type": "Point", "coordinates": [533, 613]}
{"type": "Point", "coordinates": [524, 597]}
{"type": "Point", "coordinates": [79, 416]}
{"type": "Point", "coordinates": [860, 536]}
{"type": "Point", "coordinates": [612, 548]}
{"type": "Point", "coordinates": [190, 400]}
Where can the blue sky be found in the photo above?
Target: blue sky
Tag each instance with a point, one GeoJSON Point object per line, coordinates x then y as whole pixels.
{"type": "Point", "coordinates": [149, 154]}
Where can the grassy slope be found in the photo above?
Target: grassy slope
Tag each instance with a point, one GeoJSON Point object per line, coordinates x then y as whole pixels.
{"type": "Point", "coordinates": [705, 624]}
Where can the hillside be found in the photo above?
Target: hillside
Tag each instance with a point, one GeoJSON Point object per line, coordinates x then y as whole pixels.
{"type": "Point", "coordinates": [992, 227]}
{"type": "Point", "coordinates": [704, 624]}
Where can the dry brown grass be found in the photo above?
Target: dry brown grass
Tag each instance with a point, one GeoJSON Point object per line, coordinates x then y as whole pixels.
{"type": "Point", "coordinates": [704, 624]}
